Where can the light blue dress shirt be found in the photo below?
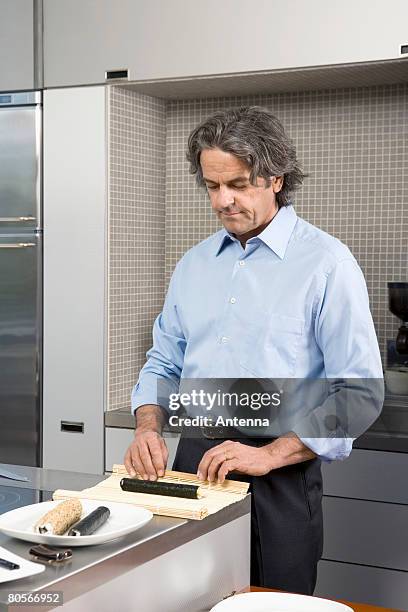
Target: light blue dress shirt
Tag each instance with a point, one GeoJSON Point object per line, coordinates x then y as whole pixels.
{"type": "Point", "coordinates": [292, 304]}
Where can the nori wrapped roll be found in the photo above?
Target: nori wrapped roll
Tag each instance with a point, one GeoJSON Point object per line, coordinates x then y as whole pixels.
{"type": "Point", "coordinates": [91, 522]}
{"type": "Point", "coordinates": [172, 489]}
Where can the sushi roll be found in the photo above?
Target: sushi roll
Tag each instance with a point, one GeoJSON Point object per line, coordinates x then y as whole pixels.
{"type": "Point", "coordinates": [91, 522]}
{"type": "Point", "coordinates": [173, 489]}
{"type": "Point", "coordinates": [58, 520]}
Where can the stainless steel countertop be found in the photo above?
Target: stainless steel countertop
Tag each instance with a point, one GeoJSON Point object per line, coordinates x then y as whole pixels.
{"type": "Point", "coordinates": [157, 537]}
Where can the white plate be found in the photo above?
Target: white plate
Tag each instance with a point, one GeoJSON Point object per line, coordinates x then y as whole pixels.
{"type": "Point", "coordinates": [124, 518]}
{"type": "Point", "coordinates": [27, 568]}
{"type": "Point", "coordinates": [278, 602]}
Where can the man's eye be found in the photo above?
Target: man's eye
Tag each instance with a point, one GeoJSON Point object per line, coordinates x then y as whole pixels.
{"type": "Point", "coordinates": [238, 186]}
{"type": "Point", "coordinates": [212, 187]}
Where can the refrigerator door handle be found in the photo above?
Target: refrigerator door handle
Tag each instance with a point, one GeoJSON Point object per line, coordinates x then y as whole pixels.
{"type": "Point", "coordinates": [16, 219]}
{"type": "Point", "coordinates": [17, 245]}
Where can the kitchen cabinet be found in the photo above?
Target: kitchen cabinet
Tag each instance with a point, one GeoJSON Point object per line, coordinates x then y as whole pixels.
{"type": "Point", "coordinates": [372, 585]}
{"type": "Point", "coordinates": [365, 510]}
{"type": "Point", "coordinates": [18, 52]}
{"type": "Point", "coordinates": [369, 475]}
{"type": "Point", "coordinates": [75, 211]}
{"type": "Point", "coordinates": [157, 39]}
{"type": "Point", "coordinates": [366, 533]}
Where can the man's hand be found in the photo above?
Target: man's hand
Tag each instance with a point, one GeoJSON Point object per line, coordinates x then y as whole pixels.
{"type": "Point", "coordinates": [230, 456]}
{"type": "Point", "coordinates": [234, 457]}
{"type": "Point", "coordinates": [147, 455]}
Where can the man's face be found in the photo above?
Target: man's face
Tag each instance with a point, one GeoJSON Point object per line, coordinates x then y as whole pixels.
{"type": "Point", "coordinates": [243, 209]}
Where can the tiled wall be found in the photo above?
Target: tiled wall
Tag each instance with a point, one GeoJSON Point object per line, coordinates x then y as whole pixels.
{"type": "Point", "coordinates": [352, 142]}
{"type": "Point", "coordinates": [136, 234]}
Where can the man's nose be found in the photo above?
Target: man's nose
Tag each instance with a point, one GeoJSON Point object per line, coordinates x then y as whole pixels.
{"type": "Point", "coordinates": [225, 196]}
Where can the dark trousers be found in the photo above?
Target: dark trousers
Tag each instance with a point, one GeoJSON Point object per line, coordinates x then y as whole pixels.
{"type": "Point", "coordinates": [286, 518]}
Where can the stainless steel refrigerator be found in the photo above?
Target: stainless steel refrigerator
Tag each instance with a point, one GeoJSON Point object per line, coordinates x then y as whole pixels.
{"type": "Point", "coordinates": [20, 278]}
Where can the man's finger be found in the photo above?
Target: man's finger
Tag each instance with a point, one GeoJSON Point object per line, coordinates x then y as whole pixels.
{"type": "Point", "coordinates": [156, 453]}
{"type": "Point", "coordinates": [128, 463]}
{"type": "Point", "coordinates": [148, 467]}
{"type": "Point", "coordinates": [202, 471]}
{"type": "Point", "coordinates": [165, 452]}
{"type": "Point", "coordinates": [227, 466]}
{"type": "Point", "coordinates": [136, 461]}
{"type": "Point", "coordinates": [214, 466]}
{"type": "Point", "coordinates": [132, 461]}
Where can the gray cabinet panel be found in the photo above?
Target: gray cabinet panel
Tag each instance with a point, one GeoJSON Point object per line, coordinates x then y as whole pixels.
{"type": "Point", "coordinates": [74, 277]}
{"type": "Point", "coordinates": [370, 533]}
{"type": "Point", "coordinates": [16, 45]}
{"type": "Point", "coordinates": [157, 39]}
{"type": "Point", "coordinates": [362, 585]}
{"type": "Point", "coordinates": [370, 475]}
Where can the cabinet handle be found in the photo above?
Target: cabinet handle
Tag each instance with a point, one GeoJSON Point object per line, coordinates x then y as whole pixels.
{"type": "Point", "coordinates": [115, 75]}
{"type": "Point", "coordinates": [16, 219]}
{"type": "Point", "coordinates": [17, 245]}
{"type": "Point", "coordinates": [72, 426]}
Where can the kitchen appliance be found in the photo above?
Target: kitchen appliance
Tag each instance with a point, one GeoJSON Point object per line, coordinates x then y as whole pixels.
{"type": "Point", "coordinates": [398, 305]}
{"type": "Point", "coordinates": [12, 497]}
{"type": "Point", "coordinates": [20, 278]}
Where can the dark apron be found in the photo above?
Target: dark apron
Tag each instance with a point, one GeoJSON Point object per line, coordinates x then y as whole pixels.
{"type": "Point", "coordinates": [286, 517]}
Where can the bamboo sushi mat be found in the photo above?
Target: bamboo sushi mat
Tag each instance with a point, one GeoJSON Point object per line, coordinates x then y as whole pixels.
{"type": "Point", "coordinates": [214, 496]}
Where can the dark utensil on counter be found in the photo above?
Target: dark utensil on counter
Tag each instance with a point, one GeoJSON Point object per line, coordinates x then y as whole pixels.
{"type": "Point", "coordinates": [90, 523]}
{"type": "Point", "coordinates": [48, 554]}
{"type": "Point", "coordinates": [8, 564]}
{"type": "Point", "coordinates": [173, 489]}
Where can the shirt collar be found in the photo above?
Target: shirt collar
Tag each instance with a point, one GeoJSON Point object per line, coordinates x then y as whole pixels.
{"type": "Point", "coordinates": [276, 235]}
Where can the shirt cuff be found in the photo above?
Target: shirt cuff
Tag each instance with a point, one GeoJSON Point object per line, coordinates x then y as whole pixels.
{"type": "Point", "coordinates": [330, 449]}
{"type": "Point", "coordinates": [155, 392]}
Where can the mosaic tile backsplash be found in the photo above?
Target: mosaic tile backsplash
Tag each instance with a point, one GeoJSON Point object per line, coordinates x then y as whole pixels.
{"type": "Point", "coordinates": [136, 127]}
{"type": "Point", "coordinates": [352, 143]}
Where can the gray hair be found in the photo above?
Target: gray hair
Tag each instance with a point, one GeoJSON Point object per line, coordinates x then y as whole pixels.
{"type": "Point", "coordinates": [254, 135]}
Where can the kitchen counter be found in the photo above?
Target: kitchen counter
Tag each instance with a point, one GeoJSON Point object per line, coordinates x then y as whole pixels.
{"type": "Point", "coordinates": [121, 417]}
{"type": "Point", "coordinates": [390, 430]}
{"type": "Point", "coordinates": [196, 563]}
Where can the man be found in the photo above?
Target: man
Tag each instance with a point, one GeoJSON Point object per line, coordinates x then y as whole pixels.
{"type": "Point", "coordinates": [269, 295]}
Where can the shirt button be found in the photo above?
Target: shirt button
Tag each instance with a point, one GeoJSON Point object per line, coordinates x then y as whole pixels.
{"type": "Point", "coordinates": [241, 263]}
{"type": "Point", "coordinates": [233, 300]}
{"type": "Point", "coordinates": [224, 339]}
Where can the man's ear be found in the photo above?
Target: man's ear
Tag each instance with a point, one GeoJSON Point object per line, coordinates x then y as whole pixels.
{"type": "Point", "coordinates": [277, 183]}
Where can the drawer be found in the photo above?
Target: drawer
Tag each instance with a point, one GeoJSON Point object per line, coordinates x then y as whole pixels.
{"type": "Point", "coordinates": [370, 533]}
{"type": "Point", "coordinates": [361, 584]}
{"type": "Point", "coordinates": [372, 475]}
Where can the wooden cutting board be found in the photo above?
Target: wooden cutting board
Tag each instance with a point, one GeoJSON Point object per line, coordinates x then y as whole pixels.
{"type": "Point", "coordinates": [214, 496]}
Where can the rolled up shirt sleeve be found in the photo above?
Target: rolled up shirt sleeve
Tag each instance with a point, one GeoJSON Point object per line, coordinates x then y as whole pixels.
{"type": "Point", "coordinates": [345, 334]}
{"type": "Point", "coordinates": [160, 376]}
